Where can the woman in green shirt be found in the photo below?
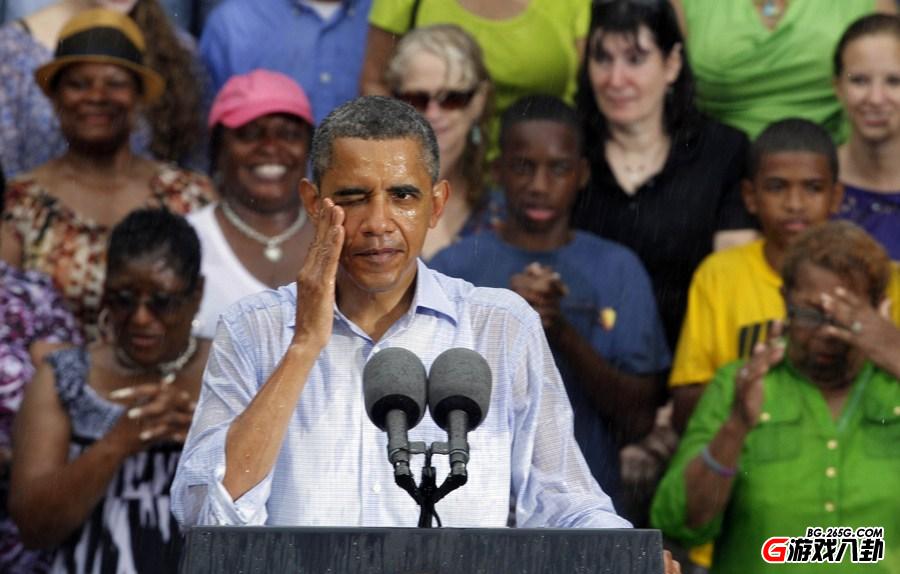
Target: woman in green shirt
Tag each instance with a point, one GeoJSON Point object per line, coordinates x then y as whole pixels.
{"type": "Point", "coordinates": [803, 435]}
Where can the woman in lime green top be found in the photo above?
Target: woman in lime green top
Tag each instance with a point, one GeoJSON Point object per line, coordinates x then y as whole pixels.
{"type": "Point", "coordinates": [759, 61]}
{"type": "Point", "coordinates": [529, 46]}
{"type": "Point", "coordinates": [802, 436]}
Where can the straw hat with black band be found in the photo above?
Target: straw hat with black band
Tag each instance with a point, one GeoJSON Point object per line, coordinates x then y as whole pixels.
{"type": "Point", "coordinates": [104, 37]}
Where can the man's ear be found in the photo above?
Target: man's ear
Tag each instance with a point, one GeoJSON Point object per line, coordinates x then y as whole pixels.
{"type": "Point", "coordinates": [837, 197]}
{"type": "Point", "coordinates": [748, 194]}
{"type": "Point", "coordinates": [440, 193]}
{"type": "Point", "coordinates": [309, 195]}
{"type": "Point", "coordinates": [585, 173]}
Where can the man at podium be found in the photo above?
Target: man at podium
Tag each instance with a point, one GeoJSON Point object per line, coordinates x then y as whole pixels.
{"type": "Point", "coordinates": [280, 435]}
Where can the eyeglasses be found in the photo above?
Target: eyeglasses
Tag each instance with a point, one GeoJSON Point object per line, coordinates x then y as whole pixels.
{"type": "Point", "coordinates": [809, 318]}
{"type": "Point", "coordinates": [162, 305]}
{"type": "Point", "coordinates": [446, 99]}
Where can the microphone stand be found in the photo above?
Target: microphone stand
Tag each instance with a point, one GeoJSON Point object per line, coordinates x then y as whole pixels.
{"type": "Point", "coordinates": [427, 493]}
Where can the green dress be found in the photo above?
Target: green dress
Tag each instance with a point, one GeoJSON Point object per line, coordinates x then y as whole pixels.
{"type": "Point", "coordinates": [749, 76]}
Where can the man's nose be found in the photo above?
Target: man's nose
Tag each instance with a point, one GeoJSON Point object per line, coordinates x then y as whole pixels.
{"type": "Point", "coordinates": [377, 217]}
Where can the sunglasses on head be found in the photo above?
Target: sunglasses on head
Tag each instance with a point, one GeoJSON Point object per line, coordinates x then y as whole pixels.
{"type": "Point", "coordinates": [446, 99]}
{"type": "Point", "coordinates": [162, 305]}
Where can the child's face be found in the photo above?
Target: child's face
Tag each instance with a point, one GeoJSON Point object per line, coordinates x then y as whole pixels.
{"type": "Point", "coordinates": [790, 192]}
{"type": "Point", "coordinates": [541, 170]}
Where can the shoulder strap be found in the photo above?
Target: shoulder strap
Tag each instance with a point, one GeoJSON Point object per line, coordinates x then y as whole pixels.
{"type": "Point", "coordinates": [414, 14]}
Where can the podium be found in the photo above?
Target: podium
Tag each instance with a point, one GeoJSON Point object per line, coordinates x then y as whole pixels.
{"type": "Point", "coordinates": [265, 550]}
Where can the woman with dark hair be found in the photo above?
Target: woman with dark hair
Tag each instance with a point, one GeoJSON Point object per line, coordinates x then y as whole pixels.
{"type": "Point", "coordinates": [59, 215]}
{"type": "Point", "coordinates": [101, 428]}
{"type": "Point", "coordinates": [867, 81]}
{"type": "Point", "coordinates": [664, 179]}
{"type": "Point", "coordinates": [170, 128]}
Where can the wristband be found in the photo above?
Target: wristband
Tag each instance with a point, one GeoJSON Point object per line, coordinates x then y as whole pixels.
{"type": "Point", "coordinates": [715, 465]}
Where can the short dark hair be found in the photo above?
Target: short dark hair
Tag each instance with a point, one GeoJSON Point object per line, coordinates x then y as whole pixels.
{"type": "Point", "coordinates": [373, 118]}
{"type": "Point", "coordinates": [870, 25]}
{"type": "Point", "coordinates": [156, 231]}
{"type": "Point", "coordinates": [792, 135]}
{"type": "Point", "coordinates": [844, 249]}
{"type": "Point", "coordinates": [537, 108]}
{"type": "Point", "coordinates": [680, 115]}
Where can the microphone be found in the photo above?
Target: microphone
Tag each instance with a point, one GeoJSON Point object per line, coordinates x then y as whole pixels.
{"type": "Point", "coordinates": [459, 393]}
{"type": "Point", "coordinates": [394, 387]}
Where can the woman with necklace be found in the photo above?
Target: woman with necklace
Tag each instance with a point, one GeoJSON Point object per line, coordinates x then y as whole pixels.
{"type": "Point", "coordinates": [255, 238]}
{"type": "Point", "coordinates": [760, 61]}
{"type": "Point", "coordinates": [867, 81]}
{"type": "Point", "coordinates": [58, 217]}
{"type": "Point", "coordinates": [100, 430]}
{"type": "Point", "coordinates": [664, 179]}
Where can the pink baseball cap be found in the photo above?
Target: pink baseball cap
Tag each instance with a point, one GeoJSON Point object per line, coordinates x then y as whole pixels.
{"type": "Point", "coordinates": [246, 97]}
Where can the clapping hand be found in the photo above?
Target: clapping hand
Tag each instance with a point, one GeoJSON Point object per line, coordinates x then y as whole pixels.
{"type": "Point", "coordinates": [155, 413]}
{"type": "Point", "coordinates": [543, 289]}
{"type": "Point", "coordinates": [748, 397]}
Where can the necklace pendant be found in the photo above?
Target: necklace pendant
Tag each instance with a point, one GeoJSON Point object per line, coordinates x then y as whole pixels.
{"type": "Point", "coordinates": [770, 9]}
{"type": "Point", "coordinates": [168, 379]}
{"type": "Point", "coordinates": [273, 253]}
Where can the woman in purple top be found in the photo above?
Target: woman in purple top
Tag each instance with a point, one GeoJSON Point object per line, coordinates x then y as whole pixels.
{"type": "Point", "coordinates": [867, 81]}
{"type": "Point", "coordinates": [32, 317]}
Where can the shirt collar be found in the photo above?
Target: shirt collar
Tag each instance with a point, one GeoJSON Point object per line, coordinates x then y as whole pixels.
{"type": "Point", "coordinates": [429, 296]}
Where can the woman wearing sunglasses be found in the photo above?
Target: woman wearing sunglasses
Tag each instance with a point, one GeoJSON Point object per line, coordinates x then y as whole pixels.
{"type": "Point", "coordinates": [101, 428]}
{"type": "Point", "coordinates": [439, 71]}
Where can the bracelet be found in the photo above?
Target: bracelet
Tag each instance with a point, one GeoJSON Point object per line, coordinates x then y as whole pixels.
{"type": "Point", "coordinates": [715, 465]}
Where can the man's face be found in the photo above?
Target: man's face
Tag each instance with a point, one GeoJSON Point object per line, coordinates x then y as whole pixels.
{"type": "Point", "coordinates": [541, 171]}
{"type": "Point", "coordinates": [385, 190]}
{"type": "Point", "coordinates": [827, 361]}
{"type": "Point", "coordinates": [790, 192]}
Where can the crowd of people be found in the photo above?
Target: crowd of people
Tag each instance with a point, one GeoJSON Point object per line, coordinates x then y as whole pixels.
{"type": "Point", "coordinates": [671, 227]}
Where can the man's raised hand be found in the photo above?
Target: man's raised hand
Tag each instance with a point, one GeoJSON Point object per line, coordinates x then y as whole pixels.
{"type": "Point", "coordinates": [317, 278]}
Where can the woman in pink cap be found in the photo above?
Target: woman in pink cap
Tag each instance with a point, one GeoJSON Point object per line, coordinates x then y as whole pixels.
{"type": "Point", "coordinates": [255, 238]}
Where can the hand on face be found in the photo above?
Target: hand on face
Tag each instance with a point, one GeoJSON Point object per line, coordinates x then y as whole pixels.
{"type": "Point", "coordinates": [157, 413]}
{"type": "Point", "coordinates": [543, 289]}
{"type": "Point", "coordinates": [317, 277]}
{"type": "Point", "coordinates": [861, 325]}
{"type": "Point", "coordinates": [748, 397]}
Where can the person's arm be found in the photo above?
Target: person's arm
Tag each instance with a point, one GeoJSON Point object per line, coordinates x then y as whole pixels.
{"type": "Point", "coordinates": [708, 488]}
{"type": "Point", "coordinates": [860, 325]}
{"type": "Point", "coordinates": [379, 47]}
{"type": "Point", "coordinates": [255, 437]}
{"type": "Point", "coordinates": [551, 482]}
{"type": "Point", "coordinates": [10, 244]}
{"type": "Point", "coordinates": [51, 496]}
{"type": "Point", "coordinates": [626, 400]}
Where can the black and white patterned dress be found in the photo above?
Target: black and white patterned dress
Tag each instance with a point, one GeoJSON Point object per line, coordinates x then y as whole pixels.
{"type": "Point", "coordinates": [131, 530]}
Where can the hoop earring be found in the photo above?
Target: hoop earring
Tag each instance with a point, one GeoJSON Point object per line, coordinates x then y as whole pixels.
{"type": "Point", "coordinates": [475, 135]}
{"type": "Point", "coordinates": [104, 328]}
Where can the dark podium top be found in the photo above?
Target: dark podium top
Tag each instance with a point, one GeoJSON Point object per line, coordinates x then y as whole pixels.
{"type": "Point", "coordinates": [264, 550]}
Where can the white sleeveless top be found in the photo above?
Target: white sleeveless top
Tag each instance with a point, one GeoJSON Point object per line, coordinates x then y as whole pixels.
{"type": "Point", "coordinates": [227, 280]}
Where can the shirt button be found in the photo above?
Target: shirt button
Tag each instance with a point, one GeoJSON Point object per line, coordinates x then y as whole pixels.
{"type": "Point", "coordinates": [832, 444]}
{"type": "Point", "coordinates": [765, 417]}
{"type": "Point", "coordinates": [325, 78]}
{"type": "Point", "coordinates": [831, 472]}
{"type": "Point", "coordinates": [376, 488]}
{"type": "Point", "coordinates": [829, 507]}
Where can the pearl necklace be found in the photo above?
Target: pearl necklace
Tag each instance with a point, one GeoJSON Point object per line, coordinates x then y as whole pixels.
{"type": "Point", "coordinates": [168, 370]}
{"type": "Point", "coordinates": [273, 243]}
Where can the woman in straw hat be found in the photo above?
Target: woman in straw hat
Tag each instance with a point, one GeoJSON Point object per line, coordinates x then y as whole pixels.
{"type": "Point", "coordinates": [171, 129]}
{"type": "Point", "coordinates": [58, 216]}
